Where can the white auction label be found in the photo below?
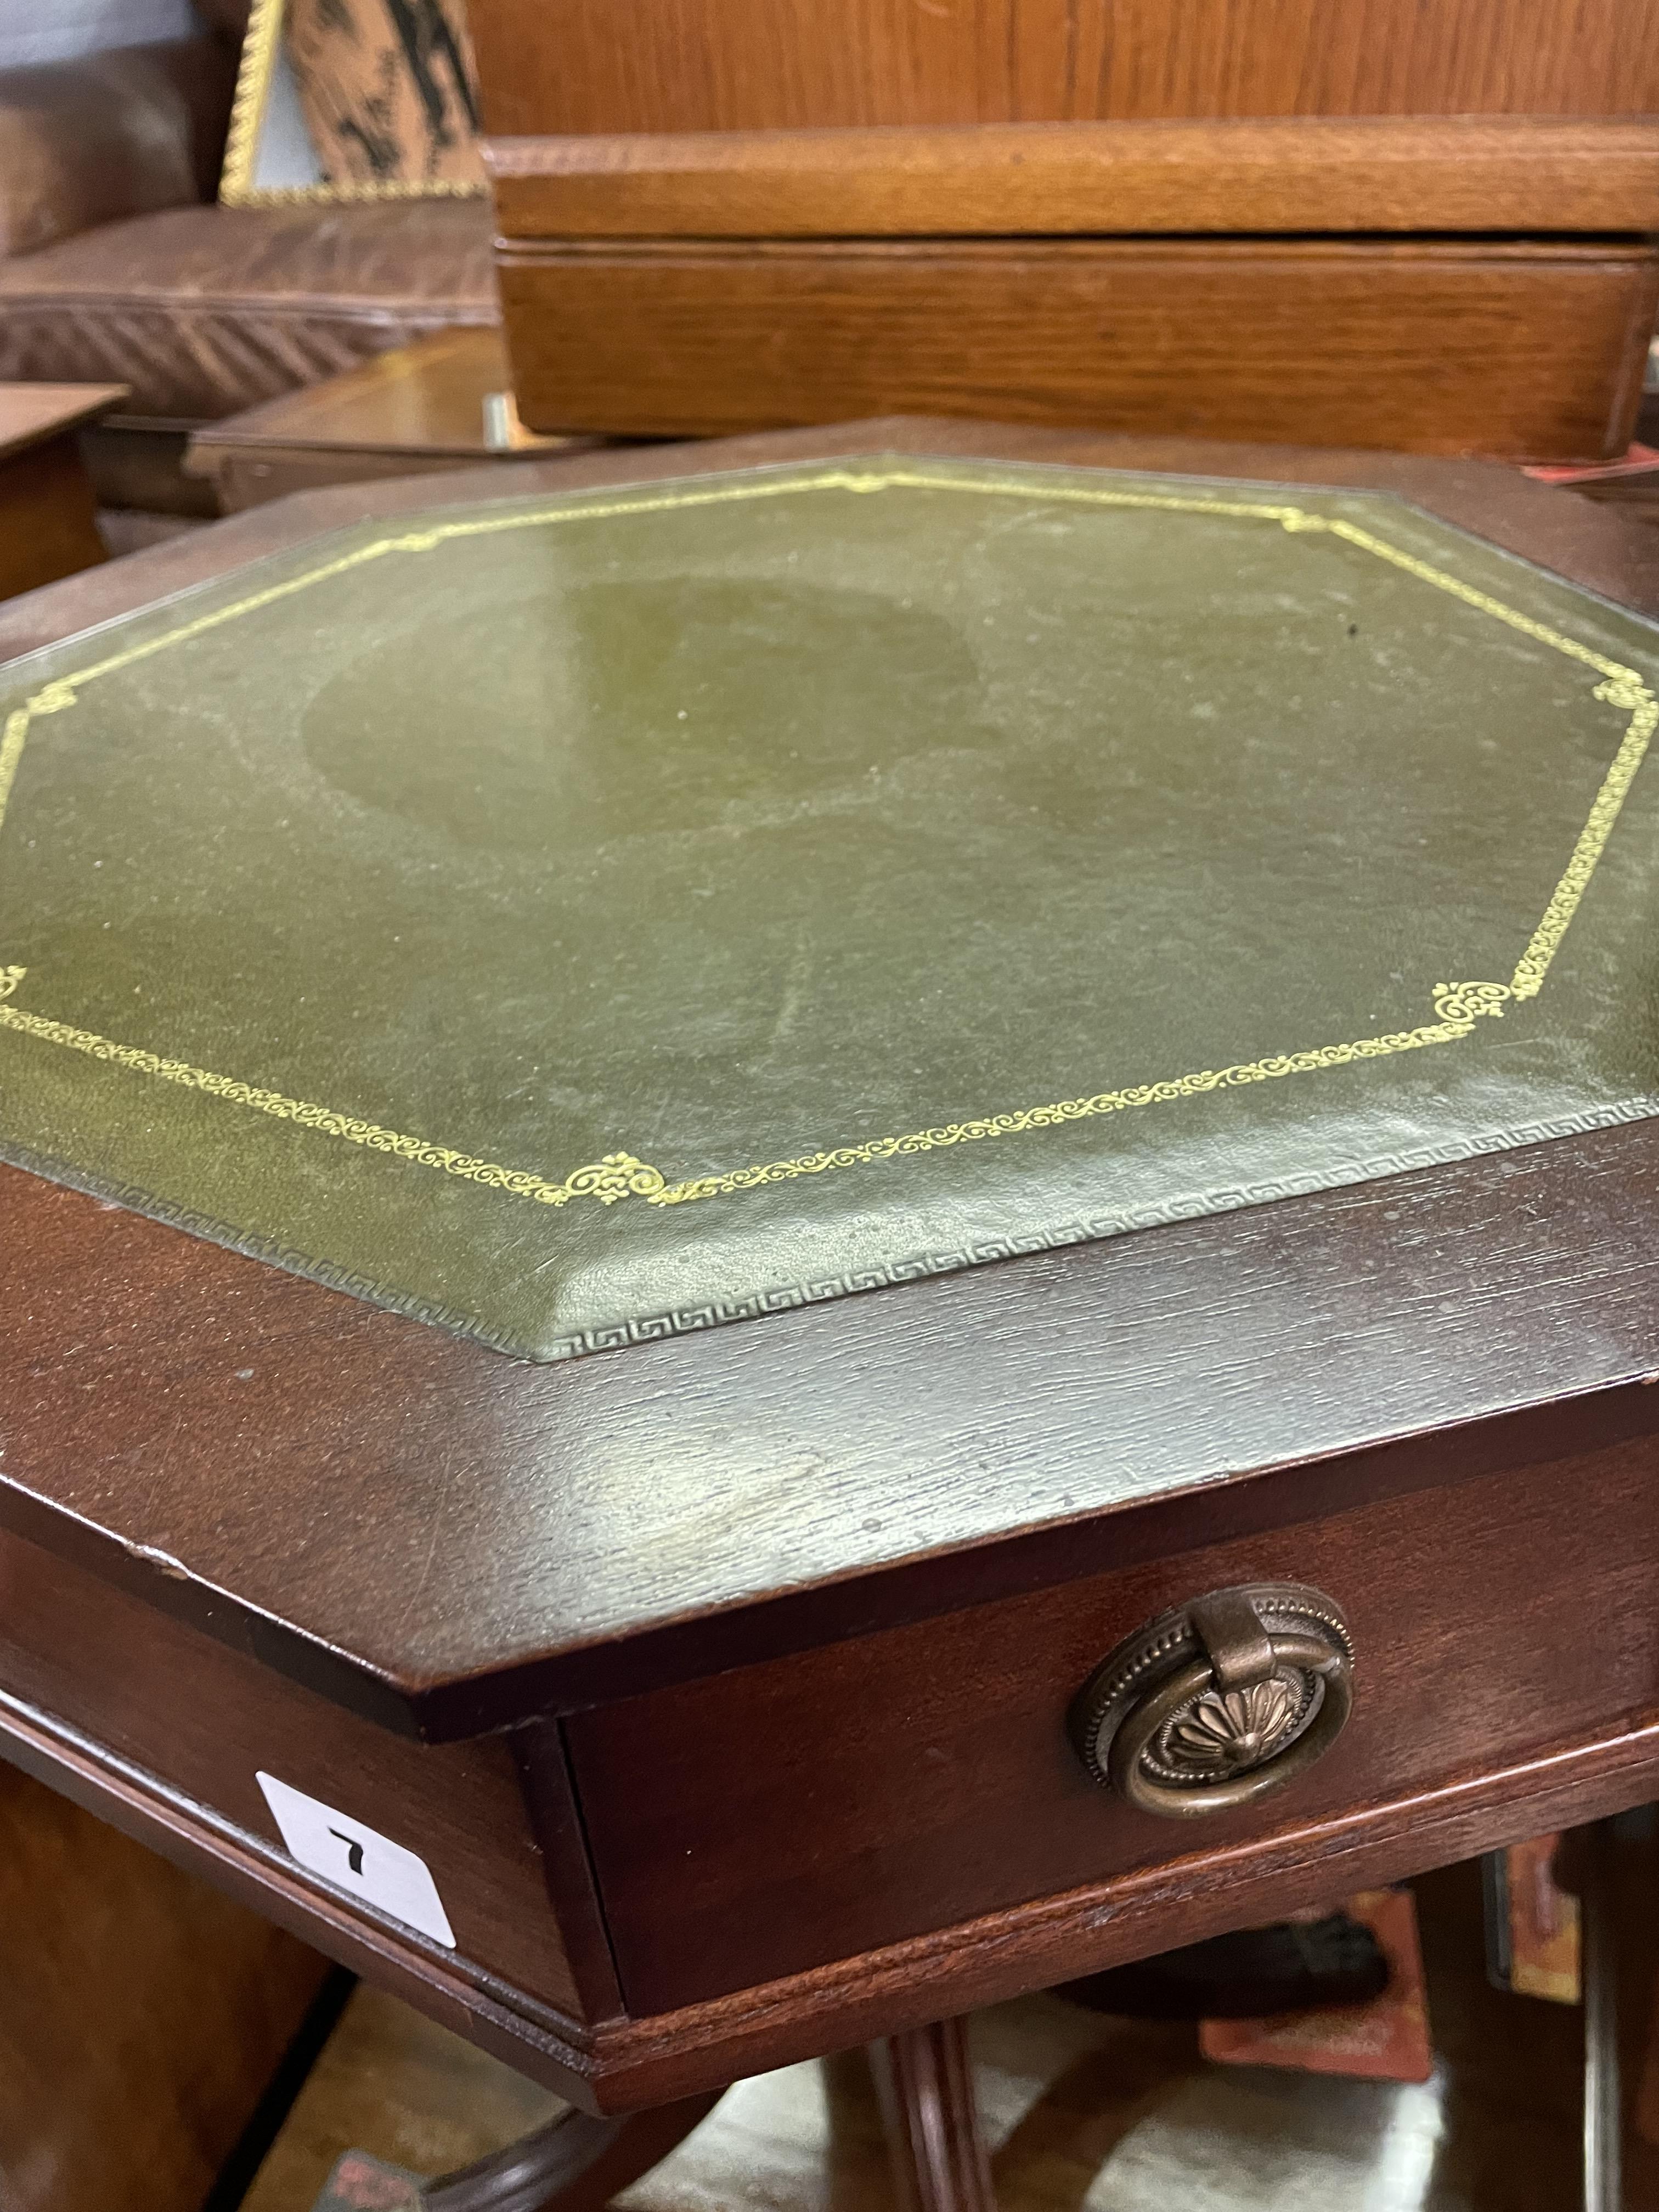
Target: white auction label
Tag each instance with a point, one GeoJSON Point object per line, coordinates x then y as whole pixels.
{"type": "Point", "coordinates": [359, 1859]}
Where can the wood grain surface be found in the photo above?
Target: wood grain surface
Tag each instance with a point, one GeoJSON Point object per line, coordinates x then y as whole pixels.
{"type": "Point", "coordinates": [491, 2014]}
{"type": "Point", "coordinates": [141, 2015]}
{"type": "Point", "coordinates": [48, 513]}
{"type": "Point", "coordinates": [416, 409]}
{"type": "Point", "coordinates": [424, 399]}
{"type": "Point", "coordinates": [34, 414]}
{"type": "Point", "coordinates": [637, 65]}
{"type": "Point", "coordinates": [204, 1721]}
{"type": "Point", "coordinates": [1185, 1898]}
{"type": "Point", "coordinates": [811, 1475]}
{"type": "Point", "coordinates": [850, 1797]}
{"type": "Point", "coordinates": [446, 1540]}
{"type": "Point", "coordinates": [1535, 352]}
{"type": "Point", "coordinates": [421, 401]}
{"type": "Point", "coordinates": [937, 2152]}
{"type": "Point", "coordinates": [48, 517]}
{"type": "Point", "coordinates": [624, 2065]}
{"type": "Point", "coordinates": [1302, 174]}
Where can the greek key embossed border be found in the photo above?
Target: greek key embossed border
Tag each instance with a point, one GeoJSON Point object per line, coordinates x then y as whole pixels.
{"type": "Point", "coordinates": [1458, 1006]}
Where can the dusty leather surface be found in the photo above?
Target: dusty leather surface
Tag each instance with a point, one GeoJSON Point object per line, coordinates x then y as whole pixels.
{"type": "Point", "coordinates": [212, 309]}
{"type": "Point", "coordinates": [576, 919]}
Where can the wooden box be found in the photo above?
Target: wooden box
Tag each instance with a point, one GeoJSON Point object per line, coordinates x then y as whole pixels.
{"type": "Point", "coordinates": [1369, 224]}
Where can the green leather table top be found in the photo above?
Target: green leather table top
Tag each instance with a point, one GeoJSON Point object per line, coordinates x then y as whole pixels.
{"type": "Point", "coordinates": [576, 919]}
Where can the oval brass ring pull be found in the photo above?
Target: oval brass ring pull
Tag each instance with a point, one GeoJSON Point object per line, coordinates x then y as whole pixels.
{"type": "Point", "coordinates": [1218, 1701]}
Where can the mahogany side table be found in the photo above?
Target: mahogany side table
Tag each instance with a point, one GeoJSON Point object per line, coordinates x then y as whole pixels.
{"type": "Point", "coordinates": [675, 1713]}
{"type": "Point", "coordinates": [437, 406]}
{"type": "Point", "coordinates": [48, 512]}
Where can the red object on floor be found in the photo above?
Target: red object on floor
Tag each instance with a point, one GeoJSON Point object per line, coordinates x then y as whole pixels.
{"type": "Point", "coordinates": [1637, 461]}
{"type": "Point", "coordinates": [1386, 2040]}
{"type": "Point", "coordinates": [1543, 1940]}
{"type": "Point", "coordinates": [361, 2183]}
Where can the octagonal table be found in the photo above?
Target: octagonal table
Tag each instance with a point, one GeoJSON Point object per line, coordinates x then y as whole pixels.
{"type": "Point", "coordinates": [728, 1694]}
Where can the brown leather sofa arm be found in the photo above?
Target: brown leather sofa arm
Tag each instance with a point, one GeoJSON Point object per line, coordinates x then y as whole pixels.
{"type": "Point", "coordinates": [118, 133]}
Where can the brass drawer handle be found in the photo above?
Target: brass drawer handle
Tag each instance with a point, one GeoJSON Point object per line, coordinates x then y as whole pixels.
{"type": "Point", "coordinates": [1210, 1705]}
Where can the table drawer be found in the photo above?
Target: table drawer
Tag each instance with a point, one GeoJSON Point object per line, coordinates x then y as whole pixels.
{"type": "Point", "coordinates": [192, 1721]}
{"type": "Point", "coordinates": [819, 1805]}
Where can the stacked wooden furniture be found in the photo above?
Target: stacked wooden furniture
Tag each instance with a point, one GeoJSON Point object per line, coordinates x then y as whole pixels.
{"type": "Point", "coordinates": [439, 404]}
{"type": "Point", "coordinates": [1368, 223]}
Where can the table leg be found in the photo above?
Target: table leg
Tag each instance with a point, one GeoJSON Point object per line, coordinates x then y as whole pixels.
{"type": "Point", "coordinates": [1586, 1864]}
{"type": "Point", "coordinates": [1603, 2189]}
{"type": "Point", "coordinates": [575, 2164]}
{"type": "Point", "coordinates": [926, 2088]}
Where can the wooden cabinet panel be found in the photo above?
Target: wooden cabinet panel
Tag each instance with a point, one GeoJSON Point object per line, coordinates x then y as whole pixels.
{"type": "Point", "coordinates": [1287, 176]}
{"type": "Point", "coordinates": [580, 65]}
{"type": "Point", "coordinates": [818, 1806]}
{"type": "Point", "coordinates": [1526, 352]}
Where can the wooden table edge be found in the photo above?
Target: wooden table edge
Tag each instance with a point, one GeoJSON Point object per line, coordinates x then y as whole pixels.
{"type": "Point", "coordinates": [91, 400]}
{"type": "Point", "coordinates": [622, 2063]}
{"type": "Point", "coordinates": [396, 1689]}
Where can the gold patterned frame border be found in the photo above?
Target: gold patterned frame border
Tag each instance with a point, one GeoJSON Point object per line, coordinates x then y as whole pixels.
{"type": "Point", "coordinates": [261, 45]}
{"type": "Point", "coordinates": [1457, 1006]}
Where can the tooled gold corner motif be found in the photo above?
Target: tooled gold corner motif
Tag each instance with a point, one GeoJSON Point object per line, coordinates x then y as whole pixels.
{"type": "Point", "coordinates": [618, 1176]}
{"type": "Point", "coordinates": [1466, 1002]}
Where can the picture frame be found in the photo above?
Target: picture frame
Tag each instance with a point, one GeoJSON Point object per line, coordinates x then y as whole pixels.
{"type": "Point", "coordinates": [271, 159]}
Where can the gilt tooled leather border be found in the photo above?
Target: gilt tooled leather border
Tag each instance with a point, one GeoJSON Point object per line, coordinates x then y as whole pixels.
{"type": "Point", "coordinates": [787, 1298]}
{"type": "Point", "coordinates": [1458, 1006]}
